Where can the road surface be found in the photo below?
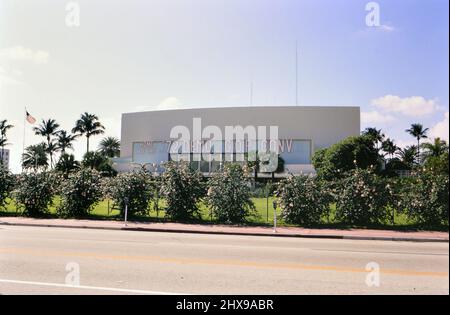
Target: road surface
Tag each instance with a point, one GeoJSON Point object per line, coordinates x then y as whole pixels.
{"type": "Point", "coordinates": [36, 260]}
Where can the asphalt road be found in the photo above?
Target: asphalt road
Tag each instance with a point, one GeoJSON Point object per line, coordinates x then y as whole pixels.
{"type": "Point", "coordinates": [35, 260]}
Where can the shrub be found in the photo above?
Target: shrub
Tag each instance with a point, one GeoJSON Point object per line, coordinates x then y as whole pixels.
{"type": "Point", "coordinates": [7, 181]}
{"type": "Point", "coordinates": [425, 198]}
{"type": "Point", "coordinates": [79, 193]}
{"type": "Point", "coordinates": [137, 187]}
{"type": "Point", "coordinates": [182, 189]}
{"type": "Point", "coordinates": [303, 199]}
{"type": "Point", "coordinates": [229, 195]}
{"type": "Point", "coordinates": [35, 191]}
{"type": "Point", "coordinates": [362, 197]}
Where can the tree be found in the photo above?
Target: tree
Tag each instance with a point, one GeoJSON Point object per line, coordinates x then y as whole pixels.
{"type": "Point", "coordinates": [435, 148]}
{"type": "Point", "coordinates": [88, 125]}
{"type": "Point", "coordinates": [64, 141]}
{"type": "Point", "coordinates": [67, 164]}
{"type": "Point", "coordinates": [229, 195]}
{"type": "Point", "coordinates": [408, 155]}
{"type": "Point", "coordinates": [35, 157]}
{"type": "Point", "coordinates": [98, 162]}
{"type": "Point", "coordinates": [4, 127]}
{"type": "Point", "coordinates": [375, 134]}
{"type": "Point", "coordinates": [418, 132]}
{"type": "Point", "coordinates": [47, 129]}
{"type": "Point", "coordinates": [110, 147]}
{"type": "Point", "coordinates": [346, 155]}
{"type": "Point", "coordinates": [389, 147]}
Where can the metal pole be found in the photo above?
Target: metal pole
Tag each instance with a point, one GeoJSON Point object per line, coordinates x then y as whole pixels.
{"type": "Point", "coordinates": [274, 216]}
{"type": "Point", "coordinates": [126, 214]}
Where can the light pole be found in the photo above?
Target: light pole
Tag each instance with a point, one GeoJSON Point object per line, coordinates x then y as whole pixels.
{"type": "Point", "coordinates": [274, 216]}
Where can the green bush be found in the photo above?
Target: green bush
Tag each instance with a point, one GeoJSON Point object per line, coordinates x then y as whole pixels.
{"type": "Point", "coordinates": [7, 181]}
{"type": "Point", "coordinates": [35, 191]}
{"type": "Point", "coordinates": [229, 195]}
{"type": "Point", "coordinates": [303, 199]}
{"type": "Point", "coordinates": [182, 189]}
{"type": "Point", "coordinates": [80, 192]}
{"type": "Point", "coordinates": [349, 154]}
{"type": "Point", "coordinates": [136, 186]}
{"type": "Point", "coordinates": [362, 197]}
{"type": "Point", "coordinates": [425, 198]}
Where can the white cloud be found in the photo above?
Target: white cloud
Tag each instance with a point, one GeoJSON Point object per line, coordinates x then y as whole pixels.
{"type": "Point", "coordinates": [375, 117]}
{"type": "Point", "coordinates": [440, 130]}
{"type": "Point", "coordinates": [414, 106]}
{"type": "Point", "coordinates": [19, 53]}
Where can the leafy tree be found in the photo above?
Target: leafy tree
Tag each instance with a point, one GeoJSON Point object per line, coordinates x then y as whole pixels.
{"type": "Point", "coordinates": [4, 127]}
{"type": "Point", "coordinates": [137, 187]}
{"type": "Point", "coordinates": [88, 125]}
{"type": "Point", "coordinates": [229, 195]}
{"type": "Point", "coordinates": [35, 157]}
{"type": "Point", "coordinates": [64, 141]}
{"type": "Point", "coordinates": [389, 147]}
{"type": "Point", "coordinates": [303, 199]}
{"type": "Point", "coordinates": [346, 155]}
{"type": "Point", "coordinates": [79, 193]}
{"type": "Point", "coordinates": [67, 164]}
{"type": "Point", "coordinates": [7, 182]}
{"type": "Point", "coordinates": [426, 199]}
{"type": "Point", "coordinates": [97, 161]}
{"type": "Point", "coordinates": [418, 132]}
{"type": "Point", "coordinates": [362, 197]}
{"type": "Point", "coordinates": [182, 189]}
{"type": "Point", "coordinates": [438, 165]}
{"type": "Point", "coordinates": [35, 192]}
{"type": "Point", "coordinates": [408, 156]}
{"type": "Point", "coordinates": [434, 149]}
{"type": "Point", "coordinates": [376, 135]}
{"type": "Point", "coordinates": [48, 129]}
{"type": "Point", "coordinates": [110, 147]}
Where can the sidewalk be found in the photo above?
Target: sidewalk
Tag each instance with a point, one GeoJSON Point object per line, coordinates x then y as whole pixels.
{"type": "Point", "coordinates": [360, 234]}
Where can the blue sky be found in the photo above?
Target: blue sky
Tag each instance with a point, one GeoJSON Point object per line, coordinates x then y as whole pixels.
{"type": "Point", "coordinates": [137, 55]}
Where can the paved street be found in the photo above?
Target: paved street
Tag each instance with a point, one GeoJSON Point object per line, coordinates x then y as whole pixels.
{"type": "Point", "coordinates": [33, 260]}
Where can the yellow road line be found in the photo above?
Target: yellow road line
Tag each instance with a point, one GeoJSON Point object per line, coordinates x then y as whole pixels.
{"type": "Point", "coordinates": [213, 262]}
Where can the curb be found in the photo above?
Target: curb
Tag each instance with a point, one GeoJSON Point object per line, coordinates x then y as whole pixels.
{"type": "Point", "coordinates": [162, 230]}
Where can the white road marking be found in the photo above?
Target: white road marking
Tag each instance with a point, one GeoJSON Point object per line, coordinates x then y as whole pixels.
{"type": "Point", "coordinates": [61, 285]}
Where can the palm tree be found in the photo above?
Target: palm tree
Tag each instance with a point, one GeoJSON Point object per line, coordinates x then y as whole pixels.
{"type": "Point", "coordinates": [435, 149]}
{"type": "Point", "coordinates": [110, 147]}
{"type": "Point", "coordinates": [51, 149]}
{"type": "Point", "coordinates": [4, 127]}
{"type": "Point", "coordinates": [35, 157]}
{"type": "Point", "coordinates": [418, 132]}
{"type": "Point", "coordinates": [408, 155]}
{"type": "Point", "coordinates": [47, 129]}
{"type": "Point", "coordinates": [88, 125]}
{"type": "Point", "coordinates": [375, 134]}
{"type": "Point", "coordinates": [67, 164]}
{"type": "Point", "coordinates": [64, 141]}
{"type": "Point", "coordinates": [389, 147]}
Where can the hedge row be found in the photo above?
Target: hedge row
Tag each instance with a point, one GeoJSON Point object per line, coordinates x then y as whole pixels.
{"type": "Point", "coordinates": [361, 196]}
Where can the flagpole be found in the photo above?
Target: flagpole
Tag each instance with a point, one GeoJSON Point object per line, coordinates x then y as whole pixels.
{"type": "Point", "coordinates": [24, 129]}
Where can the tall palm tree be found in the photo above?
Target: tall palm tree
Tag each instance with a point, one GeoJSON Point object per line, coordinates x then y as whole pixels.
{"type": "Point", "coordinates": [88, 125]}
{"type": "Point", "coordinates": [64, 141]}
{"type": "Point", "coordinates": [35, 157]}
{"type": "Point", "coordinates": [4, 127]}
{"type": "Point", "coordinates": [376, 135]}
{"type": "Point", "coordinates": [418, 132]}
{"type": "Point", "coordinates": [389, 147]}
{"type": "Point", "coordinates": [110, 147]}
{"type": "Point", "coordinates": [434, 149]}
{"type": "Point", "coordinates": [408, 155]}
{"type": "Point", "coordinates": [47, 129]}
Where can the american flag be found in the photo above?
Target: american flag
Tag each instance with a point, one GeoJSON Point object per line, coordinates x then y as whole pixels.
{"type": "Point", "coordinates": [30, 118]}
